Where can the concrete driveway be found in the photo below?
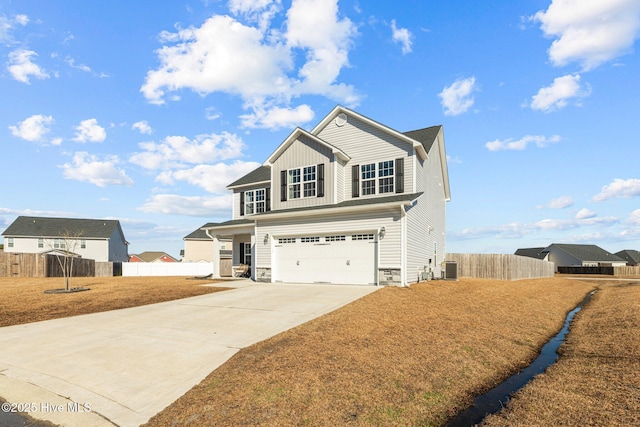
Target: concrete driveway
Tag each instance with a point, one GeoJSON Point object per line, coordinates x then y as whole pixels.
{"type": "Point", "coordinates": [122, 367]}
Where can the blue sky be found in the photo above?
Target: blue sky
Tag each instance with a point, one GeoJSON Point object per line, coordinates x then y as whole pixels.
{"type": "Point", "coordinates": [142, 113]}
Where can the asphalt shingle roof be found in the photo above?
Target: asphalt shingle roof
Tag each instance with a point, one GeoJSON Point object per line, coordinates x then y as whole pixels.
{"type": "Point", "coordinates": [531, 252]}
{"type": "Point", "coordinates": [426, 136]}
{"type": "Point", "coordinates": [261, 174]}
{"type": "Point", "coordinates": [632, 257]}
{"type": "Point", "coordinates": [200, 234]}
{"type": "Point", "coordinates": [31, 226]}
{"type": "Point", "coordinates": [587, 252]}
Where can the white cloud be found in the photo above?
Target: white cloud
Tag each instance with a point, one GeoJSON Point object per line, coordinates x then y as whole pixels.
{"type": "Point", "coordinates": [205, 59]}
{"type": "Point", "coordinates": [86, 167]}
{"type": "Point", "coordinates": [176, 151]}
{"type": "Point", "coordinates": [619, 189]}
{"type": "Point", "coordinates": [32, 128]}
{"type": "Point", "coordinates": [402, 36]}
{"type": "Point", "coordinates": [558, 203]}
{"type": "Point", "coordinates": [590, 32]}
{"type": "Point", "coordinates": [8, 24]}
{"type": "Point", "coordinates": [458, 97]}
{"type": "Point", "coordinates": [520, 144]}
{"type": "Point", "coordinates": [173, 204]}
{"type": "Point", "coordinates": [634, 218]}
{"type": "Point", "coordinates": [557, 96]}
{"type": "Point", "coordinates": [585, 213]}
{"type": "Point", "coordinates": [90, 130]}
{"type": "Point", "coordinates": [72, 63]}
{"type": "Point", "coordinates": [277, 118]}
{"type": "Point", "coordinates": [22, 68]}
{"type": "Point", "coordinates": [143, 127]}
{"type": "Point", "coordinates": [212, 178]}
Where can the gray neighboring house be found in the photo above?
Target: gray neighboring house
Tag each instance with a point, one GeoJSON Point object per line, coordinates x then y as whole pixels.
{"type": "Point", "coordinates": [350, 202]}
{"type": "Point", "coordinates": [631, 256]}
{"type": "Point", "coordinates": [568, 255]}
{"type": "Point", "coordinates": [98, 239]}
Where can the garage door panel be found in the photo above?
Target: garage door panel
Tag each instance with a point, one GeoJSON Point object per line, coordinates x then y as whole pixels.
{"type": "Point", "coordinates": [326, 261]}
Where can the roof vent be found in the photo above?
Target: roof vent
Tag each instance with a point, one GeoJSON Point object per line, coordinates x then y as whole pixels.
{"type": "Point", "coordinates": [341, 119]}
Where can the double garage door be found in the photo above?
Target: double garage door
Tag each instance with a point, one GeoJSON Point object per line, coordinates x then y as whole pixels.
{"type": "Point", "coordinates": [339, 258]}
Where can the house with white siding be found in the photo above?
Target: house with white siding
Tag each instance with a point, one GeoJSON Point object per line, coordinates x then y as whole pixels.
{"type": "Point", "coordinates": [98, 239]}
{"type": "Point", "coordinates": [352, 201]}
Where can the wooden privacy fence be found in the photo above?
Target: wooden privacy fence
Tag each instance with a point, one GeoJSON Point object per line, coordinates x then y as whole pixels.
{"type": "Point", "coordinates": [604, 270]}
{"type": "Point", "coordinates": [501, 266]}
{"type": "Point", "coordinates": [17, 264]}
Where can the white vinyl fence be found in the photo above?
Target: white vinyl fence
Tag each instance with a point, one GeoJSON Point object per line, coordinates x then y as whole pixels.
{"type": "Point", "coordinates": [167, 268]}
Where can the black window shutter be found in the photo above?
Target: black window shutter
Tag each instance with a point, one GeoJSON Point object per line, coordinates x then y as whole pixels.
{"type": "Point", "coordinates": [267, 199]}
{"type": "Point", "coordinates": [283, 185]}
{"type": "Point", "coordinates": [242, 203]}
{"type": "Point", "coordinates": [241, 253]}
{"type": "Point", "coordinates": [320, 181]}
{"type": "Point", "coordinates": [355, 181]}
{"type": "Point", "coordinates": [399, 175]}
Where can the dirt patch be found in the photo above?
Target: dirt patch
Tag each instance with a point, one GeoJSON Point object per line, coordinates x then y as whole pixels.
{"type": "Point", "coordinates": [400, 356]}
{"type": "Point", "coordinates": [23, 300]}
{"type": "Point", "coordinates": [596, 381]}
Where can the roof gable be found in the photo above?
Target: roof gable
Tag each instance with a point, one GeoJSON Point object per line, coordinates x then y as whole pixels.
{"type": "Point", "coordinates": [314, 139]}
{"type": "Point", "coordinates": [631, 256]}
{"type": "Point", "coordinates": [422, 153]}
{"type": "Point", "coordinates": [31, 226]}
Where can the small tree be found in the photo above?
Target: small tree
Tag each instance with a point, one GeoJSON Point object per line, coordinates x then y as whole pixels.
{"type": "Point", "coordinates": [66, 245]}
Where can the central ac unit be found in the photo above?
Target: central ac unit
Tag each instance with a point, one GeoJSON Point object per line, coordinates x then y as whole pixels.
{"type": "Point", "coordinates": [450, 271]}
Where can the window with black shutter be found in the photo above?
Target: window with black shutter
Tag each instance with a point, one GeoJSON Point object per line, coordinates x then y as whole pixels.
{"type": "Point", "coordinates": [320, 181]}
{"type": "Point", "coordinates": [268, 198]}
{"type": "Point", "coordinates": [355, 181]}
{"type": "Point", "coordinates": [400, 175]}
{"type": "Point", "coordinates": [283, 186]}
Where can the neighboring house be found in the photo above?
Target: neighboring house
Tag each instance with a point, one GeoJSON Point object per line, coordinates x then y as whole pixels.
{"type": "Point", "coordinates": [566, 255]}
{"type": "Point", "coordinates": [98, 239]}
{"type": "Point", "coordinates": [532, 253]}
{"type": "Point", "coordinates": [632, 257]}
{"type": "Point", "coordinates": [151, 256]}
{"type": "Point", "coordinates": [352, 201]}
{"type": "Point", "coordinates": [198, 247]}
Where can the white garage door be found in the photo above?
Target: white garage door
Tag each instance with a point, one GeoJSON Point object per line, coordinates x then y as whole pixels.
{"type": "Point", "coordinates": [340, 258]}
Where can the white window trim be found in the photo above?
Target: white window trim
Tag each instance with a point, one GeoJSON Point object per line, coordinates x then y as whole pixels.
{"type": "Point", "coordinates": [302, 182]}
{"type": "Point", "coordinates": [254, 203]}
{"type": "Point", "coordinates": [377, 177]}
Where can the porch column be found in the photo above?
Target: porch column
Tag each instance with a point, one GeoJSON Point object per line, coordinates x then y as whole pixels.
{"type": "Point", "coordinates": [253, 256]}
{"type": "Point", "coordinates": [215, 259]}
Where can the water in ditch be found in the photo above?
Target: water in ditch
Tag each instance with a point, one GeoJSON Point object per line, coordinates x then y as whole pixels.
{"type": "Point", "coordinates": [496, 398]}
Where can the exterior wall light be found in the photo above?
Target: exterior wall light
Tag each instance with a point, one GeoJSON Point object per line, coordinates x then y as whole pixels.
{"type": "Point", "coordinates": [383, 231]}
{"type": "Point", "coordinates": [266, 238]}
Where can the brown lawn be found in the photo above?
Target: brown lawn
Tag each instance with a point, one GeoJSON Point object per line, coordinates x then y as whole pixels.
{"type": "Point", "coordinates": [400, 356]}
{"type": "Point", "coordinates": [596, 382]}
{"type": "Point", "coordinates": [22, 300]}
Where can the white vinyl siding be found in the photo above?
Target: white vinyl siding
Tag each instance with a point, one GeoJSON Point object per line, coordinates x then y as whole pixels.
{"type": "Point", "coordinates": [426, 219]}
{"type": "Point", "coordinates": [366, 144]}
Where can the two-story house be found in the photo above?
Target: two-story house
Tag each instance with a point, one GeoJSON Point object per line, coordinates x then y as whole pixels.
{"type": "Point", "coordinates": [98, 239]}
{"type": "Point", "coordinates": [350, 202]}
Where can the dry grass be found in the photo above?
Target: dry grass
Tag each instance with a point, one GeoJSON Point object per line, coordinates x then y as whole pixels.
{"type": "Point", "coordinates": [597, 379]}
{"type": "Point", "coordinates": [400, 356]}
{"type": "Point", "coordinates": [22, 300]}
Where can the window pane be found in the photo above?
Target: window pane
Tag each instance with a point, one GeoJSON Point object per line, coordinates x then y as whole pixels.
{"type": "Point", "coordinates": [385, 168]}
{"type": "Point", "coordinates": [368, 171]}
{"type": "Point", "coordinates": [294, 176]}
{"type": "Point", "coordinates": [310, 173]}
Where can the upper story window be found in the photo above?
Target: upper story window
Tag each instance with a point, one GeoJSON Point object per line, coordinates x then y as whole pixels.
{"type": "Point", "coordinates": [9, 242]}
{"type": "Point", "coordinates": [255, 201]}
{"type": "Point", "coordinates": [294, 183]}
{"type": "Point", "coordinates": [40, 242]}
{"type": "Point", "coordinates": [307, 181]}
{"type": "Point", "coordinates": [59, 244]}
{"type": "Point", "coordinates": [83, 244]}
{"type": "Point", "coordinates": [377, 178]}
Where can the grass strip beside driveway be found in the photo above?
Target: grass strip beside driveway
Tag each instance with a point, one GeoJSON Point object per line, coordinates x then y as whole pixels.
{"type": "Point", "coordinates": [22, 300]}
{"type": "Point", "coordinates": [399, 356]}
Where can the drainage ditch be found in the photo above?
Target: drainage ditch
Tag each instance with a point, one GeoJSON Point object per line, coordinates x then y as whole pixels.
{"type": "Point", "coordinates": [496, 398]}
